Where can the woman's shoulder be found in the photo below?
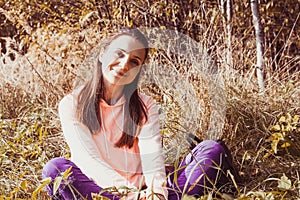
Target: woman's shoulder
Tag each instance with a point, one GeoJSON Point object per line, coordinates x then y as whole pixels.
{"type": "Point", "coordinates": [146, 98]}
{"type": "Point", "coordinates": [70, 97]}
{"type": "Point", "coordinates": [69, 101]}
{"type": "Point", "coordinates": [149, 102]}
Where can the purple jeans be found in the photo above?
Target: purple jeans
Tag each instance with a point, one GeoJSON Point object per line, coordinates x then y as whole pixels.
{"type": "Point", "coordinates": [199, 171]}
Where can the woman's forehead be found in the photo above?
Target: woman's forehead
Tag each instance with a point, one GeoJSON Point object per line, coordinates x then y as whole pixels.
{"type": "Point", "coordinates": [126, 43]}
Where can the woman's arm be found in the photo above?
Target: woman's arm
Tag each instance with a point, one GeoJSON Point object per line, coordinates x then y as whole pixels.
{"type": "Point", "coordinates": [84, 152]}
{"type": "Point", "coordinates": [151, 152]}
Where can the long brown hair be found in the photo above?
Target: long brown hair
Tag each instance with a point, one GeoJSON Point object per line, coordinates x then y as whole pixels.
{"type": "Point", "coordinates": [135, 113]}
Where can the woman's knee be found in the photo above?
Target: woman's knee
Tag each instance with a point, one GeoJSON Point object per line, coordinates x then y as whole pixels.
{"type": "Point", "coordinates": [210, 149]}
{"type": "Point", "coordinates": [210, 145]}
{"type": "Point", "coordinates": [55, 166]}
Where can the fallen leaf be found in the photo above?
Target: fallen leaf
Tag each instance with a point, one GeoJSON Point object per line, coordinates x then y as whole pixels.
{"type": "Point", "coordinates": [284, 183]}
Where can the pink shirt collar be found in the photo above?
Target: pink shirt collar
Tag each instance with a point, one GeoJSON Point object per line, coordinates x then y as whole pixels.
{"type": "Point", "coordinates": [120, 102]}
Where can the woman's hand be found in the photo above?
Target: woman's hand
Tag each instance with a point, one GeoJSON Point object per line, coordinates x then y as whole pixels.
{"type": "Point", "coordinates": [155, 196]}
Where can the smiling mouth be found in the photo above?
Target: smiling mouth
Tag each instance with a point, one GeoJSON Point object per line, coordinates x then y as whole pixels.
{"type": "Point", "coordinates": [119, 74]}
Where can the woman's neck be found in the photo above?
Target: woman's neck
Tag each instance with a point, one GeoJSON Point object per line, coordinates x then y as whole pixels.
{"type": "Point", "coordinates": [112, 93]}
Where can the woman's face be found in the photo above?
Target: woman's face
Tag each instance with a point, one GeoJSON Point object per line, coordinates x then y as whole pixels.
{"type": "Point", "coordinates": [122, 60]}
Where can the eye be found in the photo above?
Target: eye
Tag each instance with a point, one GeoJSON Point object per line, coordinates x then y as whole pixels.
{"type": "Point", "coordinates": [119, 53]}
{"type": "Point", "coordinates": [135, 62]}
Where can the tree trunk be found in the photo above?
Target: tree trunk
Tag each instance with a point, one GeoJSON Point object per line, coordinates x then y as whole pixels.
{"type": "Point", "coordinates": [228, 28]}
{"type": "Point", "coordinates": [226, 9]}
{"type": "Point", "coordinates": [259, 34]}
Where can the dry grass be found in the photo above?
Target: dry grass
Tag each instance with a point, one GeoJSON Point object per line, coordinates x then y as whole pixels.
{"type": "Point", "coordinates": [33, 83]}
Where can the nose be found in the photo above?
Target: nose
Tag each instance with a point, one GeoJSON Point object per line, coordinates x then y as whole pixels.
{"type": "Point", "coordinates": [124, 63]}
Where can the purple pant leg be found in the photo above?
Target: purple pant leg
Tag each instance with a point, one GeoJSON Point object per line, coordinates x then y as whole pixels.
{"type": "Point", "coordinates": [200, 167]}
{"type": "Point", "coordinates": [79, 187]}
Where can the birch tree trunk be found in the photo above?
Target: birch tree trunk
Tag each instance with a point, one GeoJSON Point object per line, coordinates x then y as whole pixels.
{"type": "Point", "coordinates": [228, 28]}
{"type": "Point", "coordinates": [259, 35]}
{"type": "Point", "coordinates": [226, 9]}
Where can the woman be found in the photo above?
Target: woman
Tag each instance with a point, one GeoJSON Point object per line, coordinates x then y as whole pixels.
{"type": "Point", "coordinates": [113, 134]}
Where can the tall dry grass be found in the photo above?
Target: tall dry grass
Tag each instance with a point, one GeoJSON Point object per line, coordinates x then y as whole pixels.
{"type": "Point", "coordinates": [32, 85]}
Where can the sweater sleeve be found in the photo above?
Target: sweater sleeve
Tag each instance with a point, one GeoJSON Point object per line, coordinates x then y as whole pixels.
{"type": "Point", "coordinates": [84, 152]}
{"type": "Point", "coordinates": [151, 152]}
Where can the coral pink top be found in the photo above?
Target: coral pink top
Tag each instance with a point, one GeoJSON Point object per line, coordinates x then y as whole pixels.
{"type": "Point", "coordinates": [107, 165]}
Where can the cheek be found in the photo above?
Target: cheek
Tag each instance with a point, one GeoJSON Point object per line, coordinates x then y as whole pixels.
{"type": "Point", "coordinates": [135, 70]}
